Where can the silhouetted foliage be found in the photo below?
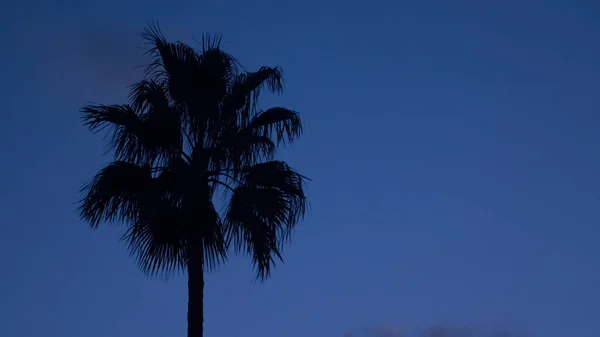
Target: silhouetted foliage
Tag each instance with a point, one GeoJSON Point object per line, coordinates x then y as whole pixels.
{"type": "Point", "coordinates": [193, 129]}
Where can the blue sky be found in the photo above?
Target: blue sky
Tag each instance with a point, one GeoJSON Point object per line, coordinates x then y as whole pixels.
{"type": "Point", "coordinates": [453, 147]}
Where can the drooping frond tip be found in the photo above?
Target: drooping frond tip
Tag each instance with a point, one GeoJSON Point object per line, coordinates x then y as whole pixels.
{"type": "Point", "coordinates": [114, 193]}
{"type": "Point", "coordinates": [123, 128]}
{"type": "Point", "coordinates": [283, 124]}
{"type": "Point", "coordinates": [264, 210]}
{"type": "Point", "coordinates": [137, 137]}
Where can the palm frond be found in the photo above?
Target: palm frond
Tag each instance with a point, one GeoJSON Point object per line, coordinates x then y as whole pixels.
{"type": "Point", "coordinates": [154, 39]}
{"type": "Point", "coordinates": [283, 123]}
{"type": "Point", "coordinates": [263, 212]}
{"type": "Point", "coordinates": [213, 236]}
{"type": "Point", "coordinates": [250, 148]}
{"type": "Point", "coordinates": [246, 88]}
{"type": "Point", "coordinates": [158, 239]}
{"type": "Point", "coordinates": [148, 94]}
{"type": "Point", "coordinates": [278, 175]}
{"type": "Point", "coordinates": [139, 138]}
{"type": "Point", "coordinates": [209, 86]}
{"type": "Point", "coordinates": [115, 193]}
{"type": "Point", "coordinates": [162, 121]}
{"type": "Point", "coordinates": [241, 147]}
{"type": "Point", "coordinates": [125, 124]}
{"type": "Point", "coordinates": [174, 63]}
{"type": "Point", "coordinates": [275, 174]}
{"type": "Point", "coordinates": [127, 193]}
{"type": "Point", "coordinates": [251, 234]}
{"type": "Point", "coordinates": [159, 236]}
{"type": "Point", "coordinates": [196, 80]}
{"type": "Point", "coordinates": [272, 77]}
{"type": "Point", "coordinates": [169, 58]}
{"type": "Point", "coordinates": [210, 41]}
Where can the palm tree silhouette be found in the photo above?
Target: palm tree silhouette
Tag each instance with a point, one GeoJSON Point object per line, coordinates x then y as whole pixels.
{"type": "Point", "coordinates": [193, 131]}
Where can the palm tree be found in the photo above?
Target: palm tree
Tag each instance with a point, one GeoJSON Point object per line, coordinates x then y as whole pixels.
{"type": "Point", "coordinates": [191, 132]}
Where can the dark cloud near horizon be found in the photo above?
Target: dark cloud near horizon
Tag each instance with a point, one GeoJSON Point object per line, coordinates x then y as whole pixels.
{"type": "Point", "coordinates": [471, 331]}
{"type": "Point", "coordinates": [444, 330]}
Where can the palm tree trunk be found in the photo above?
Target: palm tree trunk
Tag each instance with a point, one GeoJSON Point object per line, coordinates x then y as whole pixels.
{"type": "Point", "coordinates": [195, 317]}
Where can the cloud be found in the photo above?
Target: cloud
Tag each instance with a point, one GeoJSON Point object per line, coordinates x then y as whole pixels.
{"type": "Point", "coordinates": [470, 331]}
{"type": "Point", "coordinates": [83, 58]}
{"type": "Point", "coordinates": [443, 330]}
{"type": "Point", "coordinates": [75, 62]}
{"type": "Point", "coordinates": [383, 330]}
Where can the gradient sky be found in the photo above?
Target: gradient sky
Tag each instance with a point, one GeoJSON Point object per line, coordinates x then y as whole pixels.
{"type": "Point", "coordinates": [454, 149]}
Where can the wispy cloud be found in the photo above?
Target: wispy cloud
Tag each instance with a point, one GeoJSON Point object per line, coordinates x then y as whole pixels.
{"type": "Point", "coordinates": [83, 62]}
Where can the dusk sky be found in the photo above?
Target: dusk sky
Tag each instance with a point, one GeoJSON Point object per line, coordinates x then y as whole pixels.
{"type": "Point", "coordinates": [454, 148]}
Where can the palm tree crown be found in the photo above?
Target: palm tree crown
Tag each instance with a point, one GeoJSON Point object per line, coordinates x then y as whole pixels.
{"type": "Point", "coordinates": [192, 130]}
